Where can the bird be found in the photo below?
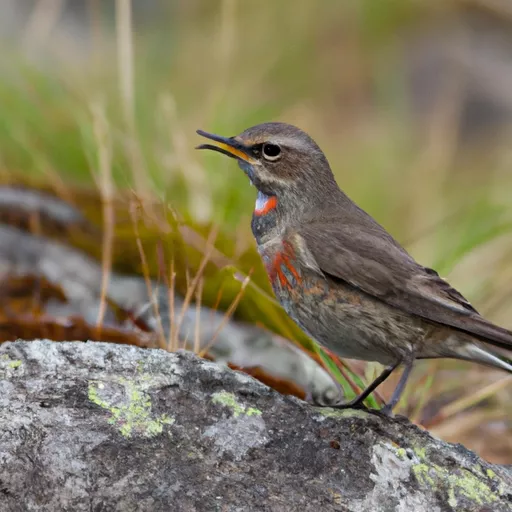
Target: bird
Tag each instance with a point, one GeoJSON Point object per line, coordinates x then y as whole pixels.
{"type": "Point", "coordinates": [340, 275]}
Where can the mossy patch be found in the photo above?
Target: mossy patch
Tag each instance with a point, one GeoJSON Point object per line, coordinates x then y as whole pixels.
{"type": "Point", "coordinates": [8, 365]}
{"type": "Point", "coordinates": [458, 484]}
{"type": "Point", "coordinates": [329, 412]}
{"type": "Point", "coordinates": [131, 410]}
{"type": "Point", "coordinates": [401, 452]}
{"type": "Point", "coordinates": [229, 400]}
{"type": "Point", "coordinates": [420, 452]}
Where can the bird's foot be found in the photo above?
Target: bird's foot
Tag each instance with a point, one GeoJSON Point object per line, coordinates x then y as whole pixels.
{"type": "Point", "coordinates": [387, 410]}
{"type": "Point", "coordinates": [320, 401]}
{"type": "Point", "coordinates": [354, 404]}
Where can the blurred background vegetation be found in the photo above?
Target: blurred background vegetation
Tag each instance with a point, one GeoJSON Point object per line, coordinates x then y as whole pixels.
{"type": "Point", "coordinates": [410, 100]}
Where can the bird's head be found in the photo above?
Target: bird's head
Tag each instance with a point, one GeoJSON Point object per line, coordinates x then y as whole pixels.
{"type": "Point", "coordinates": [285, 164]}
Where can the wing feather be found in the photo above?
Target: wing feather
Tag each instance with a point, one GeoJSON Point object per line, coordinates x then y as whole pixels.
{"type": "Point", "coordinates": [372, 261]}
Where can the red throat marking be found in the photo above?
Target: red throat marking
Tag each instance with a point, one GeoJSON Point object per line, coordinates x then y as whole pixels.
{"type": "Point", "coordinates": [269, 205]}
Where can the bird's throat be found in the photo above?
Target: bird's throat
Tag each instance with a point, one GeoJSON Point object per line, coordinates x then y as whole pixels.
{"type": "Point", "coordinates": [264, 216]}
{"type": "Point", "coordinates": [264, 204]}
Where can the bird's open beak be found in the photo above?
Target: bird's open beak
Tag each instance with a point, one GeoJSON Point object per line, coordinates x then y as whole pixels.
{"type": "Point", "coordinates": [227, 146]}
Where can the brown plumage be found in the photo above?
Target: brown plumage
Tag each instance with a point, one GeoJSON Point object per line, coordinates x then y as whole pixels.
{"type": "Point", "coordinates": [339, 274]}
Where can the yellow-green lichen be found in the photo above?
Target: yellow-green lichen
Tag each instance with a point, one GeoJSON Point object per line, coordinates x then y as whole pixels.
{"type": "Point", "coordinates": [424, 474]}
{"type": "Point", "coordinates": [329, 412]}
{"type": "Point", "coordinates": [8, 365]}
{"type": "Point", "coordinates": [401, 452]}
{"type": "Point", "coordinates": [420, 452]}
{"type": "Point", "coordinates": [229, 400]}
{"type": "Point", "coordinates": [460, 483]}
{"type": "Point", "coordinates": [131, 413]}
{"type": "Point", "coordinates": [491, 473]}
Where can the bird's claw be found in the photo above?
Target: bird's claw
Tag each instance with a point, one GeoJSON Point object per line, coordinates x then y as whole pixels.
{"type": "Point", "coordinates": [387, 410]}
{"type": "Point", "coordinates": [350, 405]}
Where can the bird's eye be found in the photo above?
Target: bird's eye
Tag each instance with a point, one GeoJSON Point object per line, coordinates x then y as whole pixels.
{"type": "Point", "coordinates": [271, 151]}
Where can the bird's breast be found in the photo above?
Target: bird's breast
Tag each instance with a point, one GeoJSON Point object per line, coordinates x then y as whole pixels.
{"type": "Point", "coordinates": [337, 315]}
{"type": "Point", "coordinates": [283, 268]}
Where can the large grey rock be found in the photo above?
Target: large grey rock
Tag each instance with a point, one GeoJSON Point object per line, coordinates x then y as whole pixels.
{"type": "Point", "coordinates": [100, 427]}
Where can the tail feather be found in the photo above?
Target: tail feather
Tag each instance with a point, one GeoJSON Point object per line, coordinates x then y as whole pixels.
{"type": "Point", "coordinates": [478, 354]}
{"type": "Point", "coordinates": [490, 333]}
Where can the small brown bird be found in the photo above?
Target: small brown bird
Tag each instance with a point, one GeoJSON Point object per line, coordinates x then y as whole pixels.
{"type": "Point", "coordinates": [343, 279]}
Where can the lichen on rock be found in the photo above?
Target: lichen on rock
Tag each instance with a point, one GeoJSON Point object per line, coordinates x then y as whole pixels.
{"type": "Point", "coordinates": [129, 406]}
{"type": "Point", "coordinates": [90, 426]}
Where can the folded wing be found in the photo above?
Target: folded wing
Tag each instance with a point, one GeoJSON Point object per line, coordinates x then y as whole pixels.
{"type": "Point", "coordinates": [375, 263]}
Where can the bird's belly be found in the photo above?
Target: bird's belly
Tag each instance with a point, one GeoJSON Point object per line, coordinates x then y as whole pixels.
{"type": "Point", "coordinates": [347, 321]}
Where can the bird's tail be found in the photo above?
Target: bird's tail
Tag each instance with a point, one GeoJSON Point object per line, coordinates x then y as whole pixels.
{"type": "Point", "coordinates": [488, 332]}
{"type": "Point", "coordinates": [481, 354]}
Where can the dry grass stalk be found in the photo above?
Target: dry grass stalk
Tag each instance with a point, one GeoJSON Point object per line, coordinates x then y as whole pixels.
{"type": "Point", "coordinates": [147, 275]}
{"type": "Point", "coordinates": [191, 287]}
{"type": "Point", "coordinates": [227, 316]}
{"type": "Point", "coordinates": [106, 188]}
{"type": "Point", "coordinates": [125, 61]}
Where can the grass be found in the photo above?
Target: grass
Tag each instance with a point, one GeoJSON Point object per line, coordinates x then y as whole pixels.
{"type": "Point", "coordinates": [123, 116]}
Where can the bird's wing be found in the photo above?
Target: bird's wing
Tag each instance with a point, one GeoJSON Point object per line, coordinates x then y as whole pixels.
{"type": "Point", "coordinates": [372, 261]}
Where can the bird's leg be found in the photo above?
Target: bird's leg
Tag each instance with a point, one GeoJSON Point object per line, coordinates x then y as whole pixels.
{"type": "Point", "coordinates": [388, 408]}
{"type": "Point", "coordinates": [357, 402]}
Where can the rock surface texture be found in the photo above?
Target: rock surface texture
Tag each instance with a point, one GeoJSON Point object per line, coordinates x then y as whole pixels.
{"type": "Point", "coordinates": [101, 427]}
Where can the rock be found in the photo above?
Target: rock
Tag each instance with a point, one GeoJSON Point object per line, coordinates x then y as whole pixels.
{"type": "Point", "coordinates": [94, 426]}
